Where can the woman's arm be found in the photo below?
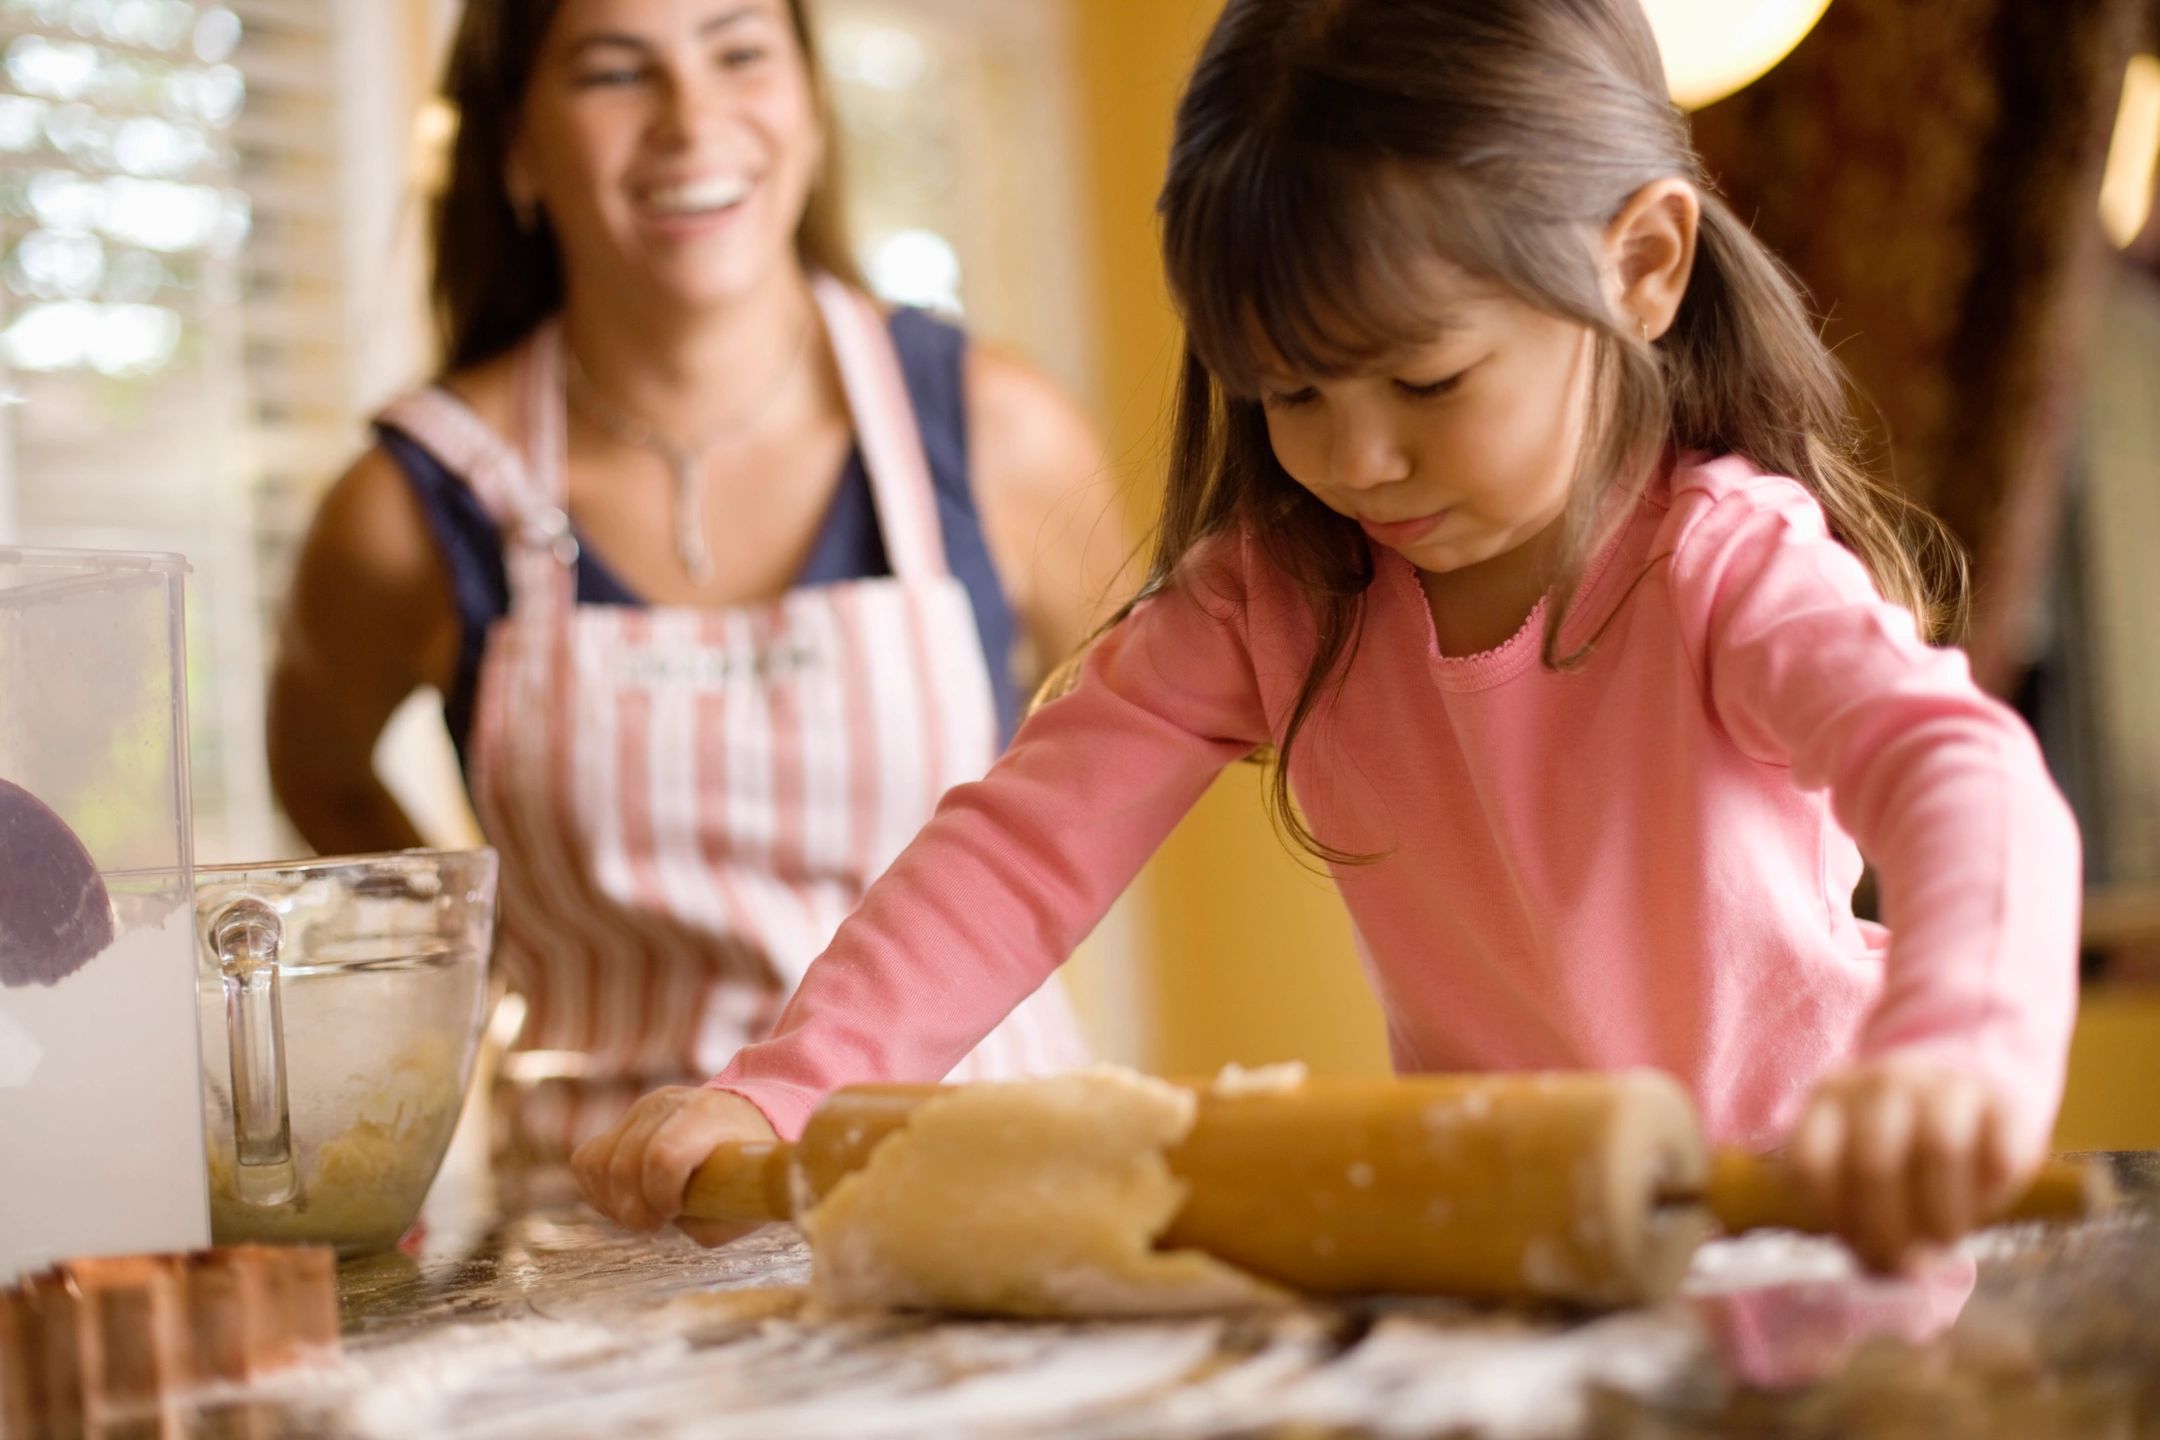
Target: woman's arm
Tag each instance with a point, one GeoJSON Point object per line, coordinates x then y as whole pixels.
{"type": "Point", "coordinates": [368, 619]}
{"type": "Point", "coordinates": [1053, 519]}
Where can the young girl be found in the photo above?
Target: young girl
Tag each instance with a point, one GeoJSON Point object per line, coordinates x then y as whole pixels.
{"type": "Point", "coordinates": [1514, 507]}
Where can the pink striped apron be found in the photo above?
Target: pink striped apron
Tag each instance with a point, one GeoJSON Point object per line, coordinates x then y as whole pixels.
{"type": "Point", "coordinates": [689, 801]}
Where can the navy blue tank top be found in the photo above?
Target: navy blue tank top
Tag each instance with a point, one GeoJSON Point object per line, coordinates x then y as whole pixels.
{"type": "Point", "coordinates": [848, 545]}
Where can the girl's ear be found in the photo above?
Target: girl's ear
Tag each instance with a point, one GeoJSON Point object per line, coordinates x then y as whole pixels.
{"type": "Point", "coordinates": [1647, 254]}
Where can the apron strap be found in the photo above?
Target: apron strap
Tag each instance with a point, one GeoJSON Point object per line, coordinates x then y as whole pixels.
{"type": "Point", "coordinates": [539, 550]}
{"type": "Point", "coordinates": [464, 444]}
{"type": "Point", "coordinates": [884, 416]}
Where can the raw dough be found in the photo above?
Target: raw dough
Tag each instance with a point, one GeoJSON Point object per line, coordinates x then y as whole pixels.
{"type": "Point", "coordinates": [361, 1188]}
{"type": "Point", "coordinates": [1278, 1079]}
{"type": "Point", "coordinates": [1036, 1197]}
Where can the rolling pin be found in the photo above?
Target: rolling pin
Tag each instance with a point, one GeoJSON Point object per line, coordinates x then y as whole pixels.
{"type": "Point", "coordinates": [1585, 1187]}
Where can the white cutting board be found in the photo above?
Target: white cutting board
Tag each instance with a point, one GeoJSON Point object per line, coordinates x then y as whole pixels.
{"type": "Point", "coordinates": [101, 1110]}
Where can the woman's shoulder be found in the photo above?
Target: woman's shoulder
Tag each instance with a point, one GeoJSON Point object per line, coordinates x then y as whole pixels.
{"type": "Point", "coordinates": [373, 522]}
{"type": "Point", "coordinates": [439, 433]}
{"type": "Point", "coordinates": [370, 516]}
{"type": "Point", "coordinates": [1018, 416]}
{"type": "Point", "coordinates": [1043, 486]}
{"type": "Point", "coordinates": [369, 561]}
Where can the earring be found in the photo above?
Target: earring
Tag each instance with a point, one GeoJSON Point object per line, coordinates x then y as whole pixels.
{"type": "Point", "coordinates": [1645, 324]}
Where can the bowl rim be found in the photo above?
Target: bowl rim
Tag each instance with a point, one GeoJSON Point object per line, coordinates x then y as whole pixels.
{"type": "Point", "coordinates": [475, 854]}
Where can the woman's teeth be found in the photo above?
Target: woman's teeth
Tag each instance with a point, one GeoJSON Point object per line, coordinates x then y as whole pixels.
{"type": "Point", "coordinates": [698, 197]}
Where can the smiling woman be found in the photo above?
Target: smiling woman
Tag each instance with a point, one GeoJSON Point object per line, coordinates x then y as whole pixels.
{"type": "Point", "coordinates": [720, 567]}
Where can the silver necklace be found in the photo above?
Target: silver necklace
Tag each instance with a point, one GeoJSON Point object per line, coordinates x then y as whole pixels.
{"type": "Point", "coordinates": [686, 463]}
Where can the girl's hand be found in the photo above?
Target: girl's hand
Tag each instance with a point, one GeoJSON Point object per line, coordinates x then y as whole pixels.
{"type": "Point", "coordinates": [1904, 1155]}
{"type": "Point", "coordinates": [637, 1172]}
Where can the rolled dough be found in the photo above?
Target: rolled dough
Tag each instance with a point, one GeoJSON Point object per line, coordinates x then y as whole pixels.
{"type": "Point", "coordinates": [1035, 1198]}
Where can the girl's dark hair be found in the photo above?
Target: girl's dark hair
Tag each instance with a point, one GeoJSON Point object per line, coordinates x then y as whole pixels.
{"type": "Point", "coordinates": [1326, 150]}
{"type": "Point", "coordinates": [495, 279]}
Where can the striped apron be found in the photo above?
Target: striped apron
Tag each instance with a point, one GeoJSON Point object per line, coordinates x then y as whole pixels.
{"type": "Point", "coordinates": [689, 801]}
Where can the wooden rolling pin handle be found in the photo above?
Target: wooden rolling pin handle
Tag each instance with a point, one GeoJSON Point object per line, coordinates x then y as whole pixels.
{"type": "Point", "coordinates": [1753, 1192]}
{"type": "Point", "coordinates": [744, 1182]}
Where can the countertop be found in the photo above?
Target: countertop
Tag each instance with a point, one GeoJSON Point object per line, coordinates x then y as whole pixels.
{"type": "Point", "coordinates": [533, 1319]}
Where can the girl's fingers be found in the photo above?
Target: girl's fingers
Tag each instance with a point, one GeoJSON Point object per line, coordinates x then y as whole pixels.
{"type": "Point", "coordinates": [636, 1172]}
{"type": "Point", "coordinates": [2000, 1169]}
{"type": "Point", "coordinates": [626, 1168]}
{"type": "Point", "coordinates": [1816, 1151]}
{"type": "Point", "coordinates": [677, 1147]}
{"type": "Point", "coordinates": [1878, 1214]}
{"type": "Point", "coordinates": [1946, 1182]}
{"type": "Point", "coordinates": [1903, 1156]}
{"type": "Point", "coordinates": [590, 1163]}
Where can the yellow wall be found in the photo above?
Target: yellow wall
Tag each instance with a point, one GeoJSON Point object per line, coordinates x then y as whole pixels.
{"type": "Point", "coordinates": [2113, 1100]}
{"type": "Point", "coordinates": [1253, 955]}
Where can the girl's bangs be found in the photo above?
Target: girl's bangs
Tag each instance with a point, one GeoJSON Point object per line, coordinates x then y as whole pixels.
{"type": "Point", "coordinates": [1296, 262]}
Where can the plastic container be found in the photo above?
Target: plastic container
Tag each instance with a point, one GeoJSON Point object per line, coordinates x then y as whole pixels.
{"type": "Point", "coordinates": [101, 1122]}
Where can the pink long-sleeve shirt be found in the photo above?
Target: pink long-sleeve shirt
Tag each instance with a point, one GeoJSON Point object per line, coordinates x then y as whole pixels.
{"type": "Point", "coordinates": [1649, 860]}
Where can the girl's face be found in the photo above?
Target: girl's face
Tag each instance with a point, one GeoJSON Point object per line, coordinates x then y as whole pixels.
{"type": "Point", "coordinates": [671, 143]}
{"type": "Point", "coordinates": [1452, 453]}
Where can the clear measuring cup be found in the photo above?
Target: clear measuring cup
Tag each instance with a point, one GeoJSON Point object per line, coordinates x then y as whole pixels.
{"type": "Point", "coordinates": [341, 1005]}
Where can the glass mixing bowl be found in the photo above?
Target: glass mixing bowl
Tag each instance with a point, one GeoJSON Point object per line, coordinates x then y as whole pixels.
{"type": "Point", "coordinates": [341, 1002]}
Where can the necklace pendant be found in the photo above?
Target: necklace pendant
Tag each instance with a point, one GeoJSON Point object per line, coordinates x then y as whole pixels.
{"type": "Point", "coordinates": [691, 546]}
{"type": "Point", "coordinates": [690, 543]}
